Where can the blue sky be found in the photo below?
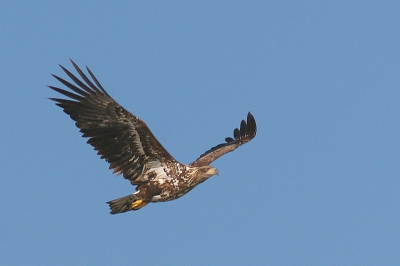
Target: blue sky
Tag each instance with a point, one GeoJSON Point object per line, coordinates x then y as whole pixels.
{"type": "Point", "coordinates": [319, 185]}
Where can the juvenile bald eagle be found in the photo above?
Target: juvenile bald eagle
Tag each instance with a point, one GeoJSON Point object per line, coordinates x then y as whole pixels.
{"type": "Point", "coordinates": [128, 145]}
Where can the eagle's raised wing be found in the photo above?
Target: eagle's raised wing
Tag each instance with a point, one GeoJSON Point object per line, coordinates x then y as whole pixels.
{"type": "Point", "coordinates": [121, 138]}
{"type": "Point", "coordinates": [241, 136]}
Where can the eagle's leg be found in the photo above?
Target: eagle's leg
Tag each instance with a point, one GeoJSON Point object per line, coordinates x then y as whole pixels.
{"type": "Point", "coordinates": [135, 201]}
{"type": "Point", "coordinates": [128, 203]}
{"type": "Point", "coordinates": [136, 205]}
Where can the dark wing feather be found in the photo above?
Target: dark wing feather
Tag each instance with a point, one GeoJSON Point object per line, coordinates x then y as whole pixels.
{"type": "Point", "coordinates": [241, 136]}
{"type": "Point", "coordinates": [121, 138]}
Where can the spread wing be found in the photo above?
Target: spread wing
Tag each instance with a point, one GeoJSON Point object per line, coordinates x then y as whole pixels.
{"type": "Point", "coordinates": [243, 135]}
{"type": "Point", "coordinates": [121, 138]}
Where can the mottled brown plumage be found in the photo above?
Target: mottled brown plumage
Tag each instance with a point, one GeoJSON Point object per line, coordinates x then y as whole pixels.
{"type": "Point", "coordinates": [128, 145]}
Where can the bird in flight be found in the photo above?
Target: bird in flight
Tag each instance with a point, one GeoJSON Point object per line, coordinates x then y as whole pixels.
{"type": "Point", "coordinates": [127, 144]}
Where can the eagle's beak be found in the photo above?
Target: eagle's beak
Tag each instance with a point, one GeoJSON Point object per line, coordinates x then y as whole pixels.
{"type": "Point", "coordinates": [213, 171]}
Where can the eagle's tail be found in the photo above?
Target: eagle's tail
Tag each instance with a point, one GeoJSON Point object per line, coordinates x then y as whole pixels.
{"type": "Point", "coordinates": [127, 203]}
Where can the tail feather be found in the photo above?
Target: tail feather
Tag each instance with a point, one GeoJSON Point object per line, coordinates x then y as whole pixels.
{"type": "Point", "coordinates": [127, 203]}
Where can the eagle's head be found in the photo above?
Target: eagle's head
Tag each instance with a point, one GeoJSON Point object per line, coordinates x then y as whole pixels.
{"type": "Point", "coordinates": [205, 172]}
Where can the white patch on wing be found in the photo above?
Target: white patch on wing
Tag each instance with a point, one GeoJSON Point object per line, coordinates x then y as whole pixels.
{"type": "Point", "coordinates": [154, 170]}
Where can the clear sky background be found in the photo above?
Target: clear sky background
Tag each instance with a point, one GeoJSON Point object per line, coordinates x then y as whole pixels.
{"type": "Point", "coordinates": [319, 185]}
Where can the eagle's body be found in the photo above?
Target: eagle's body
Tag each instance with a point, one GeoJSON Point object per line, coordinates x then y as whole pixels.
{"type": "Point", "coordinates": [128, 145]}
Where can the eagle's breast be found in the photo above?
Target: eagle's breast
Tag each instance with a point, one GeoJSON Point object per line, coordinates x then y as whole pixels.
{"type": "Point", "coordinates": [176, 182]}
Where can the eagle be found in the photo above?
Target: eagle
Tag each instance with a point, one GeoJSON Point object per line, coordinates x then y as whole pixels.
{"type": "Point", "coordinates": [127, 144]}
